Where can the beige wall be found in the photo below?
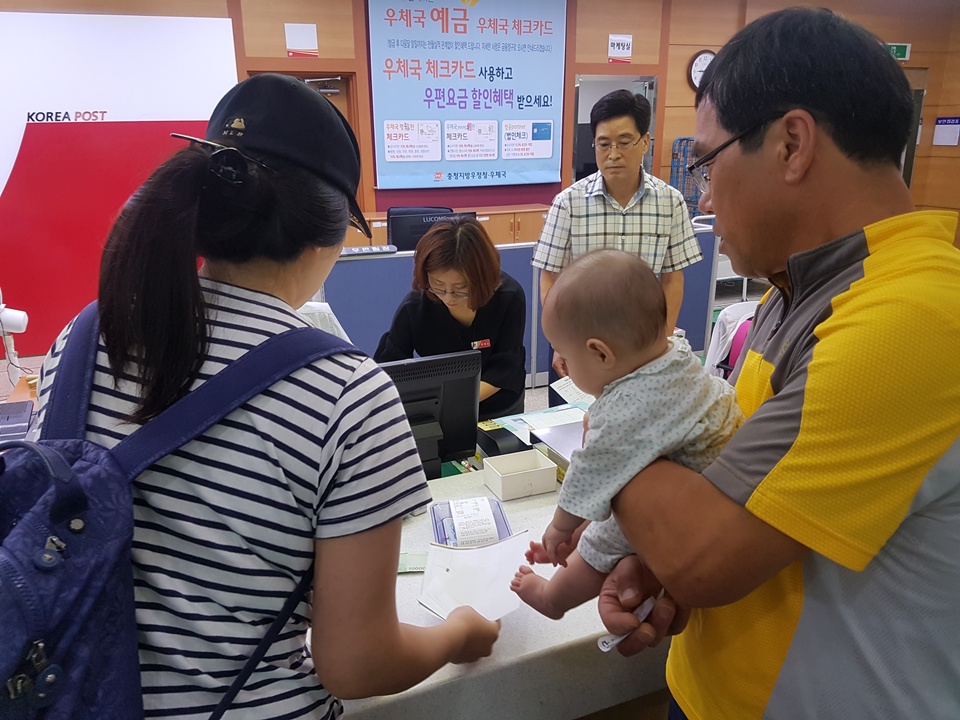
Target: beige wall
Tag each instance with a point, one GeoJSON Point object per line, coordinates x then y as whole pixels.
{"type": "Point", "coordinates": [694, 25]}
{"type": "Point", "coordinates": [175, 8]}
{"type": "Point", "coordinates": [939, 184]}
{"type": "Point", "coordinates": [933, 28]}
{"type": "Point", "coordinates": [666, 34]}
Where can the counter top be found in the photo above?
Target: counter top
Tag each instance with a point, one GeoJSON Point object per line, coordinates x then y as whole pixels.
{"type": "Point", "coordinates": [24, 390]}
{"type": "Point", "coordinates": [540, 668]}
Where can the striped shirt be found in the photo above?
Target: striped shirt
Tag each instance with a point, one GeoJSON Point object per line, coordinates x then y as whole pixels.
{"type": "Point", "coordinates": [655, 225]}
{"type": "Point", "coordinates": [225, 526]}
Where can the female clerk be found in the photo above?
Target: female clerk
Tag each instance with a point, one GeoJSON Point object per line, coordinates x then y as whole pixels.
{"type": "Point", "coordinates": [461, 300]}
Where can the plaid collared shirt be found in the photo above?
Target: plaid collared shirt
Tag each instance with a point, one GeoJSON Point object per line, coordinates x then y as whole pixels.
{"type": "Point", "coordinates": [655, 225]}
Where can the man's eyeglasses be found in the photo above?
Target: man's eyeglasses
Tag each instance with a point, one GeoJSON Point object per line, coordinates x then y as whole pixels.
{"type": "Point", "coordinates": [451, 293]}
{"type": "Point", "coordinates": [699, 171]}
{"type": "Point", "coordinates": [605, 146]}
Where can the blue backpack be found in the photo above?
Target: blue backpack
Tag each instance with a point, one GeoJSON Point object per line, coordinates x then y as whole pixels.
{"type": "Point", "coordinates": [68, 634]}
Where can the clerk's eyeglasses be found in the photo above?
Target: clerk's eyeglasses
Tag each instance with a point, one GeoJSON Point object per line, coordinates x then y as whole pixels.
{"type": "Point", "coordinates": [452, 293]}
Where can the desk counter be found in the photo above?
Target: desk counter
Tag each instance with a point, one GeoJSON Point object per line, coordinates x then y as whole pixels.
{"type": "Point", "coordinates": [23, 390]}
{"type": "Point", "coordinates": [540, 668]}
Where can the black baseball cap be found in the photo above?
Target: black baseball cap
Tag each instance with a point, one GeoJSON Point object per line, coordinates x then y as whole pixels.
{"type": "Point", "coordinates": [280, 116]}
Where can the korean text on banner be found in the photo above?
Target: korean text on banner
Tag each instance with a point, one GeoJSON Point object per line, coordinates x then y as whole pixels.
{"type": "Point", "coordinates": [467, 95]}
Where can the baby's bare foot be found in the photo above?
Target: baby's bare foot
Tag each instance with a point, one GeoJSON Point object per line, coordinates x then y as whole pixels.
{"type": "Point", "coordinates": [536, 554]}
{"type": "Point", "coordinates": [535, 592]}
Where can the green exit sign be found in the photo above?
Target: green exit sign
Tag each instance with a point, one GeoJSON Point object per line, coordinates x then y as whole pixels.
{"type": "Point", "coordinates": [900, 51]}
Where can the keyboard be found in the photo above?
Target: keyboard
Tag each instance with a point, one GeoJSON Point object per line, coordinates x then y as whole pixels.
{"type": "Point", "coordinates": [15, 420]}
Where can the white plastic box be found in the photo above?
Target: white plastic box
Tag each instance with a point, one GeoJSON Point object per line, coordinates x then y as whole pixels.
{"type": "Point", "coordinates": [519, 474]}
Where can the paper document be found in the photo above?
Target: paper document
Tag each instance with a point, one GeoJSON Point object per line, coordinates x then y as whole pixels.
{"type": "Point", "coordinates": [321, 315]}
{"type": "Point", "coordinates": [473, 522]}
{"type": "Point", "coordinates": [478, 576]}
{"type": "Point", "coordinates": [562, 417]}
{"type": "Point", "coordinates": [562, 439]}
{"type": "Point", "coordinates": [521, 424]}
{"type": "Point", "coordinates": [946, 131]}
{"type": "Point", "coordinates": [570, 392]}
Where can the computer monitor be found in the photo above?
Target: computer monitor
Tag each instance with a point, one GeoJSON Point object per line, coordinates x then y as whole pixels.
{"type": "Point", "coordinates": [406, 225]}
{"type": "Point", "coordinates": [440, 395]}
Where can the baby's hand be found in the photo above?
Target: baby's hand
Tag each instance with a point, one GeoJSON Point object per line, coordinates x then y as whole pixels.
{"type": "Point", "coordinates": [557, 545]}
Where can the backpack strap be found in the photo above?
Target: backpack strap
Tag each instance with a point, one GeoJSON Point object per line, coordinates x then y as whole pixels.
{"type": "Point", "coordinates": [258, 369]}
{"type": "Point", "coordinates": [255, 371]}
{"type": "Point", "coordinates": [276, 627]}
{"type": "Point", "coordinates": [65, 416]}
{"type": "Point", "coordinates": [267, 363]}
{"type": "Point", "coordinates": [246, 377]}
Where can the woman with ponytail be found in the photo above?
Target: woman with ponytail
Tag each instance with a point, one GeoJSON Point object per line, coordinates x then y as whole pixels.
{"type": "Point", "coordinates": [316, 470]}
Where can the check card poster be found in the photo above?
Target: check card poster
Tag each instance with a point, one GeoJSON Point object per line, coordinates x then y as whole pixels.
{"type": "Point", "coordinates": [466, 92]}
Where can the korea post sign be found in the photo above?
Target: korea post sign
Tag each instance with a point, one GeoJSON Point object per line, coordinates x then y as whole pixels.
{"type": "Point", "coordinates": [466, 92]}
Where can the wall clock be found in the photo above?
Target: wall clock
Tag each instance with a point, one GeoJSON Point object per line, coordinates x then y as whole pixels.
{"type": "Point", "coordinates": [698, 64]}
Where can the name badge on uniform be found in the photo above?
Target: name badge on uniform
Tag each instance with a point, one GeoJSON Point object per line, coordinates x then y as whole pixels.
{"type": "Point", "coordinates": [478, 344]}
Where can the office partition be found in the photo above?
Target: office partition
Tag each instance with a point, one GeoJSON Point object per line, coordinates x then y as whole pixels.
{"type": "Point", "coordinates": [699, 289]}
{"type": "Point", "coordinates": [364, 291]}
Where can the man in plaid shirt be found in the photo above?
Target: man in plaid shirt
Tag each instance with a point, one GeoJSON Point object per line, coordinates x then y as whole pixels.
{"type": "Point", "coordinates": [620, 207]}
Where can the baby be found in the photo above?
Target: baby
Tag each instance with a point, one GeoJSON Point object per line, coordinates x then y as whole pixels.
{"type": "Point", "coordinates": [606, 317]}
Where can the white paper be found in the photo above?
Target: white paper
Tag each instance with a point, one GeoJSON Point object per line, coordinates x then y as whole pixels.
{"type": "Point", "coordinates": [562, 439]}
{"type": "Point", "coordinates": [479, 577]}
{"type": "Point", "coordinates": [620, 46]}
{"type": "Point", "coordinates": [521, 423]}
{"type": "Point", "coordinates": [473, 522]}
{"type": "Point", "coordinates": [570, 392]}
{"type": "Point", "coordinates": [321, 315]}
{"type": "Point", "coordinates": [946, 131]}
{"type": "Point", "coordinates": [301, 37]}
{"type": "Point", "coordinates": [562, 417]}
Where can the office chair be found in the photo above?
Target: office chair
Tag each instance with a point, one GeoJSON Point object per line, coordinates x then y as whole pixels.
{"type": "Point", "coordinates": [730, 329]}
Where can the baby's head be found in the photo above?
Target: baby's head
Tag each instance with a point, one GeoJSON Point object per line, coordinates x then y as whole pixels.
{"type": "Point", "coordinates": [605, 315]}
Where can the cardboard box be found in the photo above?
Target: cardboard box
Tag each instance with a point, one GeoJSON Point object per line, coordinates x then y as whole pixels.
{"type": "Point", "coordinates": [520, 474]}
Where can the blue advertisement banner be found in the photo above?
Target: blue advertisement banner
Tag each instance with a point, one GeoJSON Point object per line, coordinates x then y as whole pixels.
{"type": "Point", "coordinates": [466, 92]}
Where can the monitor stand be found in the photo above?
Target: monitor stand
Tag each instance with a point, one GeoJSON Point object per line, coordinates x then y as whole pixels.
{"type": "Point", "coordinates": [428, 436]}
